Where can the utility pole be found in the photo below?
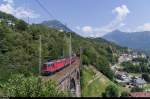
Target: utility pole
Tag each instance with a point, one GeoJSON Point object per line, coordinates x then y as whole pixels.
{"type": "Point", "coordinates": [63, 50]}
{"type": "Point", "coordinates": [80, 57]}
{"type": "Point", "coordinates": [64, 47]}
{"type": "Point", "coordinates": [80, 69]}
{"type": "Point", "coordinates": [40, 54]}
{"type": "Point", "coordinates": [27, 7]}
{"type": "Point", "coordinates": [70, 49]}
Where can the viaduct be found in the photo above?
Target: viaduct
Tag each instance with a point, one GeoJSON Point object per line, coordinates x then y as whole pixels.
{"type": "Point", "coordinates": [68, 78]}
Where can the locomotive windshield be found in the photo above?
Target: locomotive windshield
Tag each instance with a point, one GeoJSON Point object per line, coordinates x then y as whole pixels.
{"type": "Point", "coordinates": [48, 64]}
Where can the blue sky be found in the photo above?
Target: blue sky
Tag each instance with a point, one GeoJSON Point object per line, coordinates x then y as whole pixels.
{"type": "Point", "coordinates": [86, 17]}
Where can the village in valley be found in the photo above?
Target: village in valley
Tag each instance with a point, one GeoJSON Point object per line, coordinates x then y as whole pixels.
{"type": "Point", "coordinates": [132, 72]}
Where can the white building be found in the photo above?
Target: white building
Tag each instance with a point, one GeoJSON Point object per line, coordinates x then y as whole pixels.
{"type": "Point", "coordinates": [143, 55]}
{"type": "Point", "coordinates": [139, 82]}
{"type": "Point", "coordinates": [10, 23]}
{"type": "Point", "coordinates": [125, 58]}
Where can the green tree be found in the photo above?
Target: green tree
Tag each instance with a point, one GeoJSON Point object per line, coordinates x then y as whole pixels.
{"type": "Point", "coordinates": [124, 94]}
{"type": "Point", "coordinates": [136, 89]}
{"type": "Point", "coordinates": [146, 77]}
{"type": "Point", "coordinates": [85, 61]}
{"type": "Point", "coordinates": [21, 25]}
{"type": "Point", "coordinates": [103, 66]}
{"type": "Point", "coordinates": [111, 91]}
{"type": "Point", "coordinates": [19, 85]}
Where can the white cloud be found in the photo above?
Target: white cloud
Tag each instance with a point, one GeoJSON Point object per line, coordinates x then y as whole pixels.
{"type": "Point", "coordinates": [121, 11]}
{"type": "Point", "coordinates": [87, 29]}
{"type": "Point", "coordinates": [6, 8]}
{"type": "Point", "coordinates": [8, 1]}
{"type": "Point", "coordinates": [23, 13]}
{"type": "Point", "coordinates": [140, 28]}
{"type": "Point", "coordinates": [20, 12]}
{"type": "Point", "coordinates": [144, 27]}
{"type": "Point", "coordinates": [122, 24]}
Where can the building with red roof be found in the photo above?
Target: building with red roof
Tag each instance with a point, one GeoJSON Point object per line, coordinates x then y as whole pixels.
{"type": "Point", "coordinates": [139, 94]}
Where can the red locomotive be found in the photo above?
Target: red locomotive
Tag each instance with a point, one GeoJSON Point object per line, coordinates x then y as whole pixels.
{"type": "Point", "coordinates": [55, 65]}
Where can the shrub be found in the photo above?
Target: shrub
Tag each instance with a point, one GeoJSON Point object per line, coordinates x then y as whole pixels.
{"type": "Point", "coordinates": [111, 91]}
{"type": "Point", "coordinates": [21, 86]}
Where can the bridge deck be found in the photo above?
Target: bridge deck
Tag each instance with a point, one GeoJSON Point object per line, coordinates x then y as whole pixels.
{"type": "Point", "coordinates": [58, 76]}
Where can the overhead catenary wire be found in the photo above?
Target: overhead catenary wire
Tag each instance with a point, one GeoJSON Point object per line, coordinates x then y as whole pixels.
{"type": "Point", "coordinates": [52, 16]}
{"type": "Point", "coordinates": [45, 9]}
{"type": "Point", "coordinates": [27, 7]}
{"type": "Point", "coordinates": [48, 12]}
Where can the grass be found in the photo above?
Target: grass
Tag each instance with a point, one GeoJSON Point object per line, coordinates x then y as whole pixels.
{"type": "Point", "coordinates": [89, 74]}
{"type": "Point", "coordinates": [147, 86]}
{"type": "Point", "coordinates": [1, 93]}
{"type": "Point", "coordinates": [97, 87]}
{"type": "Point", "coordinates": [135, 74]}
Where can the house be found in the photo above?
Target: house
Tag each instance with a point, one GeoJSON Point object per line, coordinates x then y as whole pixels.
{"type": "Point", "coordinates": [124, 58]}
{"type": "Point", "coordinates": [139, 94]}
{"type": "Point", "coordinates": [139, 82]}
{"type": "Point", "coordinates": [143, 55]}
{"type": "Point", "coordinates": [10, 23]}
{"type": "Point", "coordinates": [1, 19]}
{"type": "Point", "coordinates": [134, 55]}
{"type": "Point", "coordinates": [121, 75]}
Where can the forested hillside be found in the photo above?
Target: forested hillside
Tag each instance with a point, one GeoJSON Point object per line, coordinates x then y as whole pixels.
{"type": "Point", "coordinates": [19, 44]}
{"type": "Point", "coordinates": [55, 24]}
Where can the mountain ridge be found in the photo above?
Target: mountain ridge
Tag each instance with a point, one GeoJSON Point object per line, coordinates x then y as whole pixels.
{"type": "Point", "coordinates": [135, 40]}
{"type": "Point", "coordinates": [56, 25]}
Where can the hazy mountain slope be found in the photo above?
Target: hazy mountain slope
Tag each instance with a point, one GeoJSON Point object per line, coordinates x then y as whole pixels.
{"type": "Point", "coordinates": [56, 25]}
{"type": "Point", "coordinates": [136, 40]}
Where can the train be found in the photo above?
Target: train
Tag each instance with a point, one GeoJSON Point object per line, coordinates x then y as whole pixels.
{"type": "Point", "coordinates": [52, 66]}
